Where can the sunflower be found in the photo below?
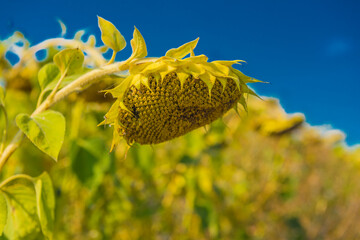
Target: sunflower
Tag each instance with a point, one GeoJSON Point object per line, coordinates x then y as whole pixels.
{"type": "Point", "coordinates": [167, 97]}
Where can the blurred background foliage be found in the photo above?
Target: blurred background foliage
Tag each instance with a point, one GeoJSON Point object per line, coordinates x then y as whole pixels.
{"type": "Point", "coordinates": [264, 174]}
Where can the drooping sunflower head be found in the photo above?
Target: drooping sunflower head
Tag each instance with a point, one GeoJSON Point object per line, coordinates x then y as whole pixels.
{"type": "Point", "coordinates": [167, 97]}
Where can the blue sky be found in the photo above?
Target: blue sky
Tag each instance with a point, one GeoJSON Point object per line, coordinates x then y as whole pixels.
{"type": "Point", "coordinates": [308, 50]}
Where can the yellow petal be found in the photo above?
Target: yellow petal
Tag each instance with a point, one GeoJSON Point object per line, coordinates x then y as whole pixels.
{"type": "Point", "coordinates": [194, 69]}
{"type": "Point", "coordinates": [192, 54]}
{"type": "Point", "coordinates": [182, 77]}
{"type": "Point", "coordinates": [215, 70]}
{"type": "Point", "coordinates": [116, 137]}
{"type": "Point", "coordinates": [183, 50]}
{"type": "Point", "coordinates": [197, 59]}
{"type": "Point", "coordinates": [223, 81]}
{"type": "Point", "coordinates": [222, 68]}
{"type": "Point", "coordinates": [166, 71]}
{"type": "Point", "coordinates": [119, 91]}
{"type": "Point", "coordinates": [164, 58]}
{"type": "Point", "coordinates": [229, 63]}
{"type": "Point", "coordinates": [145, 81]}
{"type": "Point", "coordinates": [154, 67]}
{"type": "Point", "coordinates": [136, 81]}
{"type": "Point", "coordinates": [138, 67]}
{"type": "Point", "coordinates": [208, 79]}
{"type": "Point", "coordinates": [112, 114]}
{"type": "Point", "coordinates": [236, 79]}
{"type": "Point", "coordinates": [244, 78]}
{"type": "Point", "coordinates": [157, 76]}
{"type": "Point", "coordinates": [122, 106]}
{"type": "Point", "coordinates": [242, 101]}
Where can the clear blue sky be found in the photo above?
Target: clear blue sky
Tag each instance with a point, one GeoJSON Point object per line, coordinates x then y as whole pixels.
{"type": "Point", "coordinates": [308, 50]}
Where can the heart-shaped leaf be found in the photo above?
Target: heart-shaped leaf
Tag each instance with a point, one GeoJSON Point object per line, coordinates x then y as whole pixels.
{"type": "Point", "coordinates": [110, 36]}
{"type": "Point", "coordinates": [22, 221]}
{"type": "Point", "coordinates": [45, 130]}
{"type": "Point", "coordinates": [69, 60]}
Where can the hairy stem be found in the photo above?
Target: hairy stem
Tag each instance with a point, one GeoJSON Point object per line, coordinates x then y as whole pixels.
{"type": "Point", "coordinates": [85, 80]}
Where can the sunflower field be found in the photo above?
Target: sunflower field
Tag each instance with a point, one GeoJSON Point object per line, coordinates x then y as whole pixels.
{"type": "Point", "coordinates": [89, 151]}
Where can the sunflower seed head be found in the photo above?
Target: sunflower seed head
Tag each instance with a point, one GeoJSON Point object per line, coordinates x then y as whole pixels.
{"type": "Point", "coordinates": [166, 110]}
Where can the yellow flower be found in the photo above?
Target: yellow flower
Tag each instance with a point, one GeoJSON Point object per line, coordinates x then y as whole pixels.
{"type": "Point", "coordinates": [167, 97]}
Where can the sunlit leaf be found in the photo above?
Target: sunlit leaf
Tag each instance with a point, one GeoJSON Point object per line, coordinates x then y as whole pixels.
{"type": "Point", "coordinates": [138, 45]}
{"type": "Point", "coordinates": [3, 212]}
{"type": "Point", "coordinates": [45, 201]}
{"type": "Point", "coordinates": [45, 130]}
{"type": "Point", "coordinates": [69, 60]}
{"type": "Point", "coordinates": [22, 221]}
{"type": "Point", "coordinates": [183, 50]}
{"type": "Point", "coordinates": [110, 36]}
{"type": "Point", "coordinates": [47, 74]}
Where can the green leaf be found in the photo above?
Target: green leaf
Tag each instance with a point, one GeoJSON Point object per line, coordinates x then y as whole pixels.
{"type": "Point", "coordinates": [69, 60]}
{"type": "Point", "coordinates": [138, 45]}
{"type": "Point", "coordinates": [110, 36]}
{"type": "Point", "coordinates": [45, 130]}
{"type": "Point", "coordinates": [47, 74]}
{"type": "Point", "coordinates": [22, 220]}
{"type": "Point", "coordinates": [3, 212]}
{"type": "Point", "coordinates": [183, 50]}
{"type": "Point", "coordinates": [45, 201]}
